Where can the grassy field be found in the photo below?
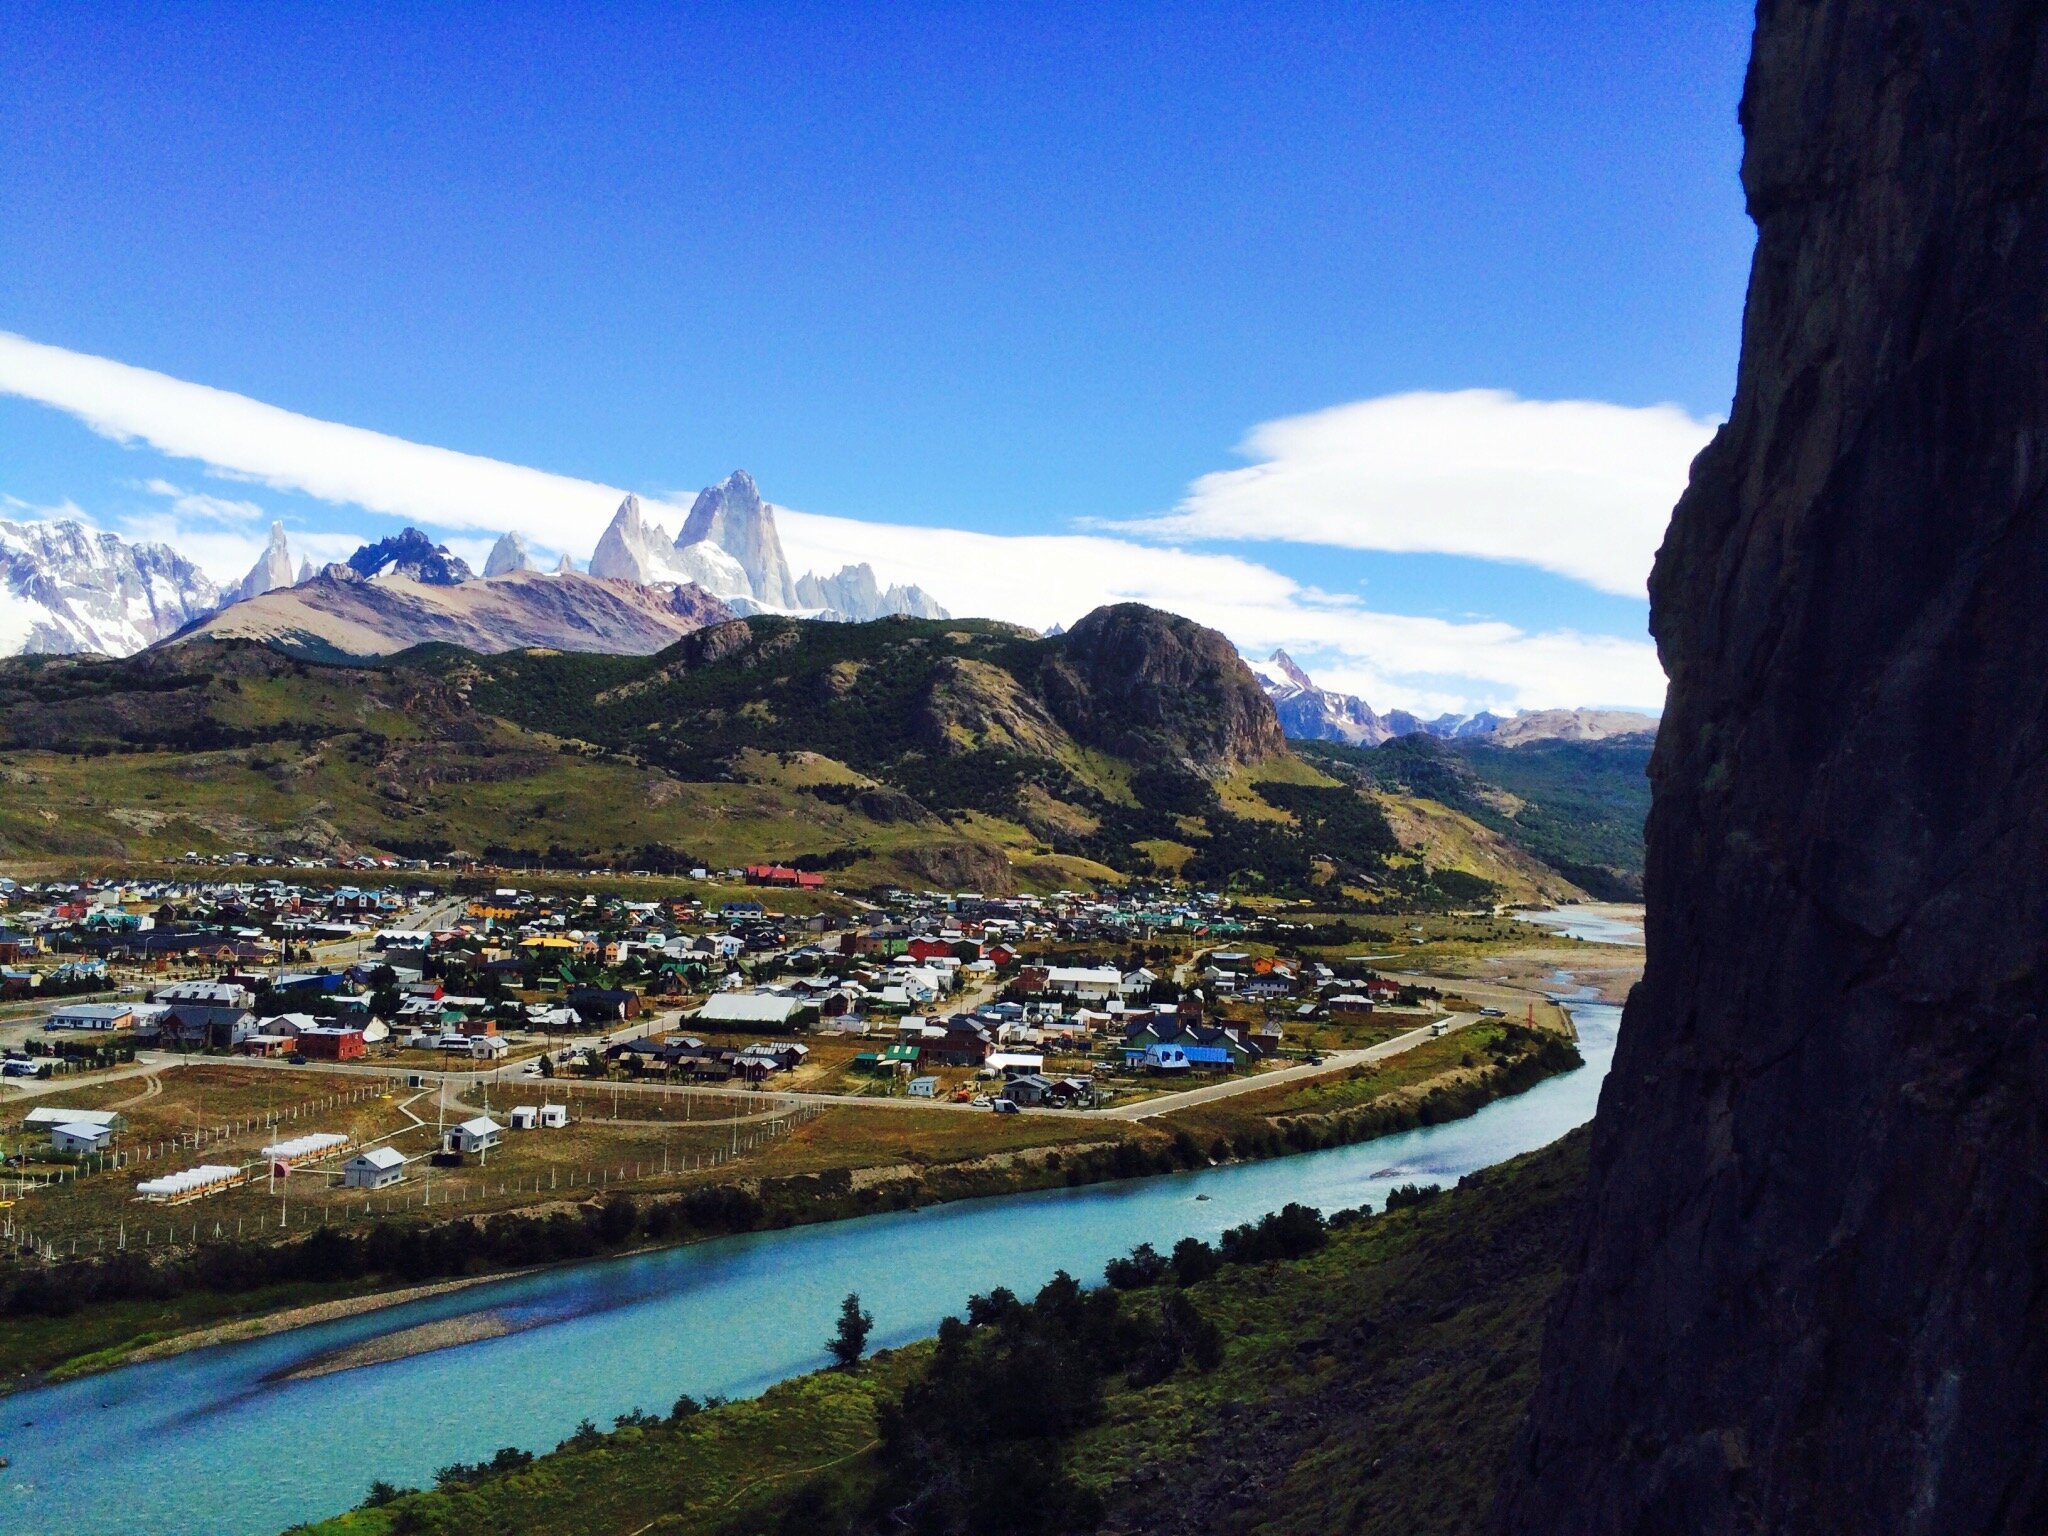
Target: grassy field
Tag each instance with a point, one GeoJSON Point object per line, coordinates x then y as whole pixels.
{"type": "Point", "coordinates": [1372, 1388]}
{"type": "Point", "coordinates": [617, 1139]}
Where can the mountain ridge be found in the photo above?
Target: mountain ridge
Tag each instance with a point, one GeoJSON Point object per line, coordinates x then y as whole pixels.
{"type": "Point", "coordinates": [70, 588]}
{"type": "Point", "coordinates": [338, 614]}
{"type": "Point", "coordinates": [960, 753]}
{"type": "Point", "coordinates": [1309, 712]}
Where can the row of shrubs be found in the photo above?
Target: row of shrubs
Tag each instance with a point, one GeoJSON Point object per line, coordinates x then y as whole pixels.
{"type": "Point", "coordinates": [407, 1251]}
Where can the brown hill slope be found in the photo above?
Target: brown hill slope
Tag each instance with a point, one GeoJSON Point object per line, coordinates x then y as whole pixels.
{"type": "Point", "coordinates": [337, 615]}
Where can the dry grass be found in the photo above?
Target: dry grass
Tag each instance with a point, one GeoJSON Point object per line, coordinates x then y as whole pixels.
{"type": "Point", "coordinates": [619, 1138]}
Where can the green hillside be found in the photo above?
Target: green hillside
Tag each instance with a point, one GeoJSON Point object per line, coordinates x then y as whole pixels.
{"type": "Point", "coordinates": [958, 754]}
{"type": "Point", "coordinates": [1577, 806]}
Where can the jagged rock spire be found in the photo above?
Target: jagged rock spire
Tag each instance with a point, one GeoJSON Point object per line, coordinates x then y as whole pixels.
{"type": "Point", "coordinates": [273, 568]}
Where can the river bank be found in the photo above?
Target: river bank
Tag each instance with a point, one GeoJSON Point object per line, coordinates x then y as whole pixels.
{"type": "Point", "coordinates": [1410, 1339]}
{"type": "Point", "coordinates": [1439, 1080]}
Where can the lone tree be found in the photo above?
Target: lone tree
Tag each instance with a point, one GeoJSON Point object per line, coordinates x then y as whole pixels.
{"type": "Point", "coordinates": [851, 1341]}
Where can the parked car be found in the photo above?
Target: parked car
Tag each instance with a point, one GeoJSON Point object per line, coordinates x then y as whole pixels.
{"type": "Point", "coordinates": [1005, 1107]}
{"type": "Point", "coordinates": [297, 1058]}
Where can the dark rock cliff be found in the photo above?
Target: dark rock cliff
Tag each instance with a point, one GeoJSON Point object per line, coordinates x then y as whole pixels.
{"type": "Point", "coordinates": [1810, 1293]}
{"type": "Point", "coordinates": [1160, 689]}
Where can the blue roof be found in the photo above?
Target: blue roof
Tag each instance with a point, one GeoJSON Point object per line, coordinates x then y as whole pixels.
{"type": "Point", "coordinates": [1214, 1053]}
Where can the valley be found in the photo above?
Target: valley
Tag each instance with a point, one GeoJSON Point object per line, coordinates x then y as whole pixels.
{"type": "Point", "coordinates": [980, 903]}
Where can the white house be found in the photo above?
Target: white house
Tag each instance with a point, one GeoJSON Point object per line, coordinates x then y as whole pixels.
{"type": "Point", "coordinates": [93, 1016]}
{"type": "Point", "coordinates": [79, 1138]}
{"type": "Point", "coordinates": [770, 1008]}
{"type": "Point", "coordinates": [1088, 983]}
{"type": "Point", "coordinates": [488, 1047]}
{"type": "Point", "coordinates": [525, 1117]}
{"type": "Point", "coordinates": [49, 1116]}
{"type": "Point", "coordinates": [378, 1168]}
{"type": "Point", "coordinates": [478, 1135]}
{"type": "Point", "coordinates": [553, 1116]}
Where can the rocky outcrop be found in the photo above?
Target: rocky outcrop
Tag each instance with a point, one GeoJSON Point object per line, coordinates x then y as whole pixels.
{"type": "Point", "coordinates": [413, 556]}
{"type": "Point", "coordinates": [66, 587]}
{"type": "Point", "coordinates": [633, 549]}
{"type": "Point", "coordinates": [731, 516]}
{"type": "Point", "coordinates": [1809, 1294]}
{"type": "Point", "coordinates": [629, 550]}
{"type": "Point", "coordinates": [960, 864]}
{"type": "Point", "coordinates": [1159, 689]}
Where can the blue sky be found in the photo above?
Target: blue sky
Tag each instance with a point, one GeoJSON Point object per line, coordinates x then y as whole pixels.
{"type": "Point", "coordinates": [1022, 276]}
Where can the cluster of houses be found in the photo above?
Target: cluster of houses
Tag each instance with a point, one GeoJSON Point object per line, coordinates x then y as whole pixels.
{"type": "Point", "coordinates": [162, 924]}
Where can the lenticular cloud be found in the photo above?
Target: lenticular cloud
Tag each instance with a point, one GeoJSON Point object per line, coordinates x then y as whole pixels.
{"type": "Point", "coordinates": [1577, 487]}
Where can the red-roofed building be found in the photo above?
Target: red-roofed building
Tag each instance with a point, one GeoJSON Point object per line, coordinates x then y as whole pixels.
{"type": "Point", "coordinates": [782, 874]}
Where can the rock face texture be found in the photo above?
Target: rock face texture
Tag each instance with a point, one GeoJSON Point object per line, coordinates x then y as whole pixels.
{"type": "Point", "coordinates": [633, 549]}
{"type": "Point", "coordinates": [273, 569]}
{"type": "Point", "coordinates": [855, 596]}
{"type": "Point", "coordinates": [732, 516]}
{"type": "Point", "coordinates": [509, 554]}
{"type": "Point", "coordinates": [1812, 1291]}
{"type": "Point", "coordinates": [1161, 689]}
{"type": "Point", "coordinates": [414, 556]}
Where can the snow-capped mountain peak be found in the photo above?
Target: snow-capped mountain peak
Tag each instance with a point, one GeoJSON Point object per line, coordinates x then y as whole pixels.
{"type": "Point", "coordinates": [66, 587]}
{"type": "Point", "coordinates": [413, 555]}
{"type": "Point", "coordinates": [1308, 712]}
{"type": "Point", "coordinates": [730, 547]}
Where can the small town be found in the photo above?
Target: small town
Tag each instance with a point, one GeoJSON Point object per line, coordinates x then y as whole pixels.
{"type": "Point", "coordinates": [308, 1047]}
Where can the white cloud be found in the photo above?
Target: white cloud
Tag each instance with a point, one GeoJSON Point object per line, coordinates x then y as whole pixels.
{"type": "Point", "coordinates": [236, 436]}
{"type": "Point", "coordinates": [199, 506]}
{"type": "Point", "coordinates": [1395, 661]}
{"type": "Point", "coordinates": [1577, 487]}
